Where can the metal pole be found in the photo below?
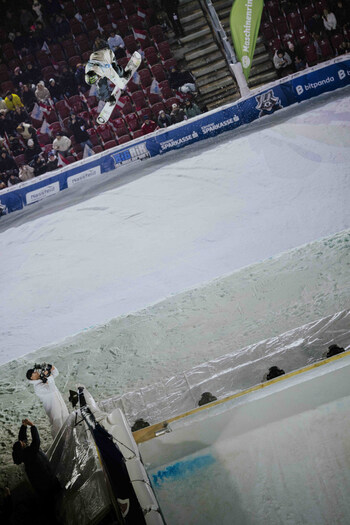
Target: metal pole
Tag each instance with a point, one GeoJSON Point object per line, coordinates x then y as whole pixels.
{"type": "Point", "coordinates": [234, 65]}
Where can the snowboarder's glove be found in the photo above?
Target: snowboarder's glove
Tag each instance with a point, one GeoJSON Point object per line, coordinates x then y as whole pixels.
{"type": "Point", "coordinates": [111, 99]}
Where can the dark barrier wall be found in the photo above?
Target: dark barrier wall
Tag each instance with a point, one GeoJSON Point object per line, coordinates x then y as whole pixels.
{"type": "Point", "coordinates": [302, 86]}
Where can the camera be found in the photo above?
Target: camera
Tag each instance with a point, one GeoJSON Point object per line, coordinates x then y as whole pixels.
{"type": "Point", "coordinates": [44, 370]}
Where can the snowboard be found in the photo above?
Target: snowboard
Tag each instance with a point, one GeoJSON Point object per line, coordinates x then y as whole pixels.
{"type": "Point", "coordinates": [130, 68]}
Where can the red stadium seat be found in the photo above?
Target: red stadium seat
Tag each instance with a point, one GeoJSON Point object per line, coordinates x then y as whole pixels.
{"type": "Point", "coordinates": [295, 20]}
{"type": "Point", "coordinates": [97, 149]}
{"type": "Point", "coordinates": [93, 137]}
{"type": "Point", "coordinates": [123, 139]}
{"type": "Point", "coordinates": [170, 102]}
{"type": "Point", "coordinates": [153, 98]}
{"type": "Point", "coordinates": [281, 25]}
{"type": "Point", "coordinates": [122, 27]}
{"type": "Point", "coordinates": [20, 160]}
{"type": "Point", "coordinates": [158, 72]}
{"type": "Point", "coordinates": [105, 132]}
{"type": "Point", "coordinates": [302, 37]}
{"type": "Point", "coordinates": [139, 100]}
{"type": "Point", "coordinates": [89, 21]}
{"type": "Point", "coordinates": [75, 27]}
{"type": "Point", "coordinates": [320, 5]}
{"type": "Point", "coordinates": [73, 61]}
{"type": "Point", "coordinates": [110, 144]}
{"type": "Point", "coordinates": [131, 43]}
{"type": "Point", "coordinates": [129, 7]}
{"type": "Point", "coordinates": [43, 58]}
{"type": "Point", "coordinates": [84, 43]}
{"type": "Point", "coordinates": [326, 48]}
{"type": "Point", "coordinates": [51, 117]}
{"type": "Point", "coordinates": [70, 51]}
{"type": "Point", "coordinates": [56, 52]}
{"type": "Point", "coordinates": [82, 6]}
{"type": "Point", "coordinates": [156, 108]}
{"type": "Point", "coordinates": [307, 12]}
{"type": "Point", "coordinates": [70, 159]}
{"type": "Point", "coordinates": [171, 62]}
{"type": "Point", "coordinates": [127, 107]}
{"type": "Point", "coordinates": [273, 8]}
{"type": "Point", "coordinates": [310, 54]}
{"type": "Point", "coordinates": [164, 51]}
{"type": "Point", "coordinates": [157, 34]}
{"type": "Point", "coordinates": [132, 121]}
{"type": "Point", "coordinates": [92, 101]}
{"type": "Point", "coordinates": [145, 78]}
{"type": "Point", "coordinates": [151, 55]}
{"type": "Point", "coordinates": [62, 108]}
{"type": "Point", "coordinates": [336, 40]}
{"type": "Point", "coordinates": [274, 44]}
{"type": "Point", "coordinates": [136, 134]}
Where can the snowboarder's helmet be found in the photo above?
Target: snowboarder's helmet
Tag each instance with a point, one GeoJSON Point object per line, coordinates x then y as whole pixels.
{"type": "Point", "coordinates": [92, 77]}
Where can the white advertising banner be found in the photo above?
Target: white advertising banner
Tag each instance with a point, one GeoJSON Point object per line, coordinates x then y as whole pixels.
{"type": "Point", "coordinates": [42, 193]}
{"type": "Point", "coordinates": [83, 175]}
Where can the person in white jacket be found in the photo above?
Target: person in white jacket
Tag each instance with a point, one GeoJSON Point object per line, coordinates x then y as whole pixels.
{"type": "Point", "coordinates": [50, 397]}
{"type": "Point", "coordinates": [62, 144]}
{"type": "Point", "coordinates": [329, 20]}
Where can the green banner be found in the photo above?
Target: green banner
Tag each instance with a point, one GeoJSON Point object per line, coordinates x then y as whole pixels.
{"type": "Point", "coordinates": [245, 23]}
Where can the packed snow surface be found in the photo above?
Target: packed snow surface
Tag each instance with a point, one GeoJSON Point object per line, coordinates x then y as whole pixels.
{"type": "Point", "coordinates": [147, 232]}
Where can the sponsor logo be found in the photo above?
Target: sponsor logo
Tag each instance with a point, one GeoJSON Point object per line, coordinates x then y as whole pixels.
{"type": "Point", "coordinates": [247, 26]}
{"type": "Point", "coordinates": [208, 128]}
{"type": "Point", "coordinates": [79, 177]}
{"type": "Point", "coordinates": [132, 154]}
{"type": "Point", "coordinates": [176, 142]}
{"type": "Point", "coordinates": [342, 74]}
{"type": "Point", "coordinates": [245, 61]}
{"type": "Point", "coordinates": [42, 193]}
{"type": "Point", "coordinates": [314, 85]}
{"type": "Point", "coordinates": [268, 103]}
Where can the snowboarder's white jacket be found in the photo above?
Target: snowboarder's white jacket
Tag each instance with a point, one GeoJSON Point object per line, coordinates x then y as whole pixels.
{"type": "Point", "coordinates": [101, 62]}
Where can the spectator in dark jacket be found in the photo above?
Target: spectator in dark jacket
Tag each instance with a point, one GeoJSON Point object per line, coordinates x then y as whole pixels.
{"type": "Point", "coordinates": [182, 80]}
{"type": "Point", "coordinates": [6, 123]}
{"type": "Point", "coordinates": [8, 166]}
{"type": "Point", "coordinates": [18, 77]}
{"type": "Point", "coordinates": [31, 150]}
{"type": "Point", "coordinates": [80, 78]}
{"type": "Point", "coordinates": [56, 91]}
{"type": "Point", "coordinates": [32, 74]}
{"type": "Point", "coordinates": [315, 24]}
{"type": "Point", "coordinates": [28, 97]}
{"type": "Point", "coordinates": [171, 9]}
{"type": "Point", "coordinates": [191, 109]}
{"type": "Point", "coordinates": [20, 115]}
{"type": "Point", "coordinates": [39, 165]}
{"type": "Point", "coordinates": [164, 120]}
{"type": "Point", "coordinates": [36, 464]}
{"type": "Point", "coordinates": [61, 26]}
{"type": "Point", "coordinates": [13, 179]}
{"type": "Point", "coordinates": [68, 82]}
{"type": "Point", "coordinates": [52, 163]}
{"type": "Point", "coordinates": [177, 114]}
{"type": "Point", "coordinates": [77, 126]}
{"type": "Point", "coordinates": [148, 126]}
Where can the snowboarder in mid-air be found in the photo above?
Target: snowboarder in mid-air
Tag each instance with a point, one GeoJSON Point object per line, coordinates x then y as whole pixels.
{"type": "Point", "coordinates": [103, 68]}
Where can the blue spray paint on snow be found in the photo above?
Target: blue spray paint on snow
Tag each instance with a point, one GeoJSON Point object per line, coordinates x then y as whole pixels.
{"type": "Point", "coordinates": [182, 469]}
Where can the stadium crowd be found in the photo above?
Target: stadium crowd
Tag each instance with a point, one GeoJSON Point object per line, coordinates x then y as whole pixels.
{"type": "Point", "coordinates": [48, 112]}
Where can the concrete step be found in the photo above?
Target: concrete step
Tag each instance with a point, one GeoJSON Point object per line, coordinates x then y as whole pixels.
{"type": "Point", "coordinates": [214, 76]}
{"type": "Point", "coordinates": [187, 19]}
{"type": "Point", "coordinates": [196, 35]}
{"type": "Point", "coordinates": [259, 59]}
{"type": "Point", "coordinates": [229, 98]}
{"type": "Point", "coordinates": [203, 61]}
{"type": "Point", "coordinates": [219, 5]}
{"type": "Point", "coordinates": [260, 68]}
{"type": "Point", "coordinates": [262, 78]}
{"type": "Point", "coordinates": [195, 26]}
{"type": "Point", "coordinates": [186, 7]}
{"type": "Point", "coordinates": [201, 52]}
{"type": "Point", "coordinates": [217, 85]}
{"type": "Point", "coordinates": [209, 68]}
{"type": "Point", "coordinates": [221, 97]}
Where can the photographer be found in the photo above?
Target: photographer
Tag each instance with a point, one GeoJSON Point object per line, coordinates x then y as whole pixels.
{"type": "Point", "coordinates": [42, 377]}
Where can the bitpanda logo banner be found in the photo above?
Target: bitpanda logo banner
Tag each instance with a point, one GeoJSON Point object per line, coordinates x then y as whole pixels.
{"type": "Point", "coordinates": [245, 20]}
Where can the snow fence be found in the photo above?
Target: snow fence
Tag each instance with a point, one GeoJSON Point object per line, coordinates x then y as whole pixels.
{"type": "Point", "coordinates": [296, 88]}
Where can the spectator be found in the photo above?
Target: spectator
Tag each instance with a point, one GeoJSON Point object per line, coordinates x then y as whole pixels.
{"type": "Point", "coordinates": [12, 101]}
{"type": "Point", "coordinates": [39, 165]}
{"type": "Point", "coordinates": [191, 109]}
{"type": "Point", "coordinates": [50, 396]}
{"type": "Point", "coordinates": [62, 144]}
{"type": "Point", "coordinates": [299, 64]}
{"type": "Point", "coordinates": [18, 77]}
{"type": "Point", "coordinates": [274, 371]}
{"type": "Point", "coordinates": [13, 179]}
{"type": "Point", "coordinates": [77, 126]}
{"type": "Point", "coordinates": [15, 145]}
{"type": "Point", "coordinates": [341, 14]}
{"type": "Point", "coordinates": [171, 9]}
{"type": "Point", "coordinates": [315, 42]}
{"type": "Point", "coordinates": [39, 35]}
{"type": "Point", "coordinates": [177, 114]}
{"type": "Point", "coordinates": [52, 163]}
{"type": "Point", "coordinates": [148, 126]}
{"type": "Point", "coordinates": [27, 131]}
{"type": "Point", "coordinates": [37, 466]}
{"type": "Point", "coordinates": [80, 78]}
{"type": "Point", "coordinates": [182, 80]}
{"type": "Point", "coordinates": [315, 24]}
{"type": "Point", "coordinates": [99, 43]}
{"type": "Point", "coordinates": [3, 105]}
{"type": "Point", "coordinates": [28, 97]}
{"type": "Point", "coordinates": [68, 82]}
{"type": "Point", "coordinates": [61, 26]}
{"type": "Point", "coordinates": [329, 20]}
{"type": "Point", "coordinates": [31, 150]}
{"type": "Point", "coordinates": [55, 89]}
{"type": "Point", "coordinates": [50, 8]}
{"type": "Point", "coordinates": [6, 123]}
{"type": "Point", "coordinates": [8, 166]}
{"type": "Point", "coordinates": [20, 43]}
{"type": "Point", "coordinates": [164, 120]}
{"type": "Point", "coordinates": [26, 19]}
{"type": "Point", "coordinates": [343, 48]}
{"type": "Point", "coordinates": [334, 350]}
{"type": "Point", "coordinates": [295, 50]}
{"type": "Point", "coordinates": [42, 93]}
{"type": "Point", "coordinates": [20, 115]}
{"type": "Point", "coordinates": [281, 61]}
{"type": "Point", "coordinates": [37, 8]}
{"type": "Point", "coordinates": [32, 74]}
{"type": "Point", "coordinates": [116, 44]}
{"type": "Point", "coordinates": [26, 172]}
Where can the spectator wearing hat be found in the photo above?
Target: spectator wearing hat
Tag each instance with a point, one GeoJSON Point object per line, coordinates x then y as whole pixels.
{"type": "Point", "coordinates": [8, 166]}
{"type": "Point", "coordinates": [16, 146]}
{"type": "Point", "coordinates": [42, 93]}
{"type": "Point", "coordinates": [12, 101]}
{"type": "Point", "coordinates": [62, 144]}
{"type": "Point", "coordinates": [39, 165]}
{"type": "Point", "coordinates": [27, 131]}
{"type": "Point", "coordinates": [148, 126]}
{"type": "Point", "coordinates": [191, 109]}
{"type": "Point", "coordinates": [52, 163]}
{"type": "Point", "coordinates": [177, 114]}
{"type": "Point", "coordinates": [164, 120]}
{"type": "Point", "coordinates": [77, 126]}
{"type": "Point", "coordinates": [55, 89]}
{"type": "Point", "coordinates": [31, 150]}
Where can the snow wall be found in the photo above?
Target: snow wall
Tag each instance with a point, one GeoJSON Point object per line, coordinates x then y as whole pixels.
{"type": "Point", "coordinates": [279, 455]}
{"type": "Point", "coordinates": [296, 88]}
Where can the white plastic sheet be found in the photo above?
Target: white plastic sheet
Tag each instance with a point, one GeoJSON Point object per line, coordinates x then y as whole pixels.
{"type": "Point", "coordinates": [234, 372]}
